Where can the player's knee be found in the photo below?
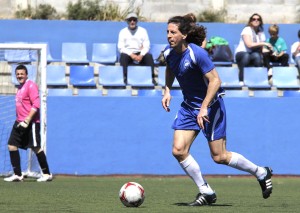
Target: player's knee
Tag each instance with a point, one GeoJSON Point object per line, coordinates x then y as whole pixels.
{"type": "Point", "coordinates": [178, 153]}
{"type": "Point", "coordinates": [219, 159]}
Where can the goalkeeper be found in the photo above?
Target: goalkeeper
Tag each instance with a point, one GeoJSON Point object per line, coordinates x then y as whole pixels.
{"type": "Point", "coordinates": [26, 129]}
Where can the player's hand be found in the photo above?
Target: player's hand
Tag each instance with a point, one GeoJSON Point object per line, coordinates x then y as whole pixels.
{"type": "Point", "coordinates": [202, 117]}
{"type": "Point", "coordinates": [166, 101]}
{"type": "Point", "coordinates": [23, 124]}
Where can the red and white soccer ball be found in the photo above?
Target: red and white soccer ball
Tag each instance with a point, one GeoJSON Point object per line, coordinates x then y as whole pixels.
{"type": "Point", "coordinates": [132, 194]}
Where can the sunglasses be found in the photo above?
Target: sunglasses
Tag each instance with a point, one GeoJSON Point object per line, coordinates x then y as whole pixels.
{"type": "Point", "coordinates": [132, 19]}
{"type": "Point", "coordinates": [255, 19]}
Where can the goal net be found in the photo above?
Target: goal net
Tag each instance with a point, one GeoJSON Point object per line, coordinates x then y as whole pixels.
{"type": "Point", "coordinates": [33, 56]}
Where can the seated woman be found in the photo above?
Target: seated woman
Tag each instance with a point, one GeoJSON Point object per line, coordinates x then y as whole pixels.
{"type": "Point", "coordinates": [249, 51]}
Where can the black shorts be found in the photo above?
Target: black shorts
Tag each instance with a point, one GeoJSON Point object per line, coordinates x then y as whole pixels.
{"type": "Point", "coordinates": [25, 138]}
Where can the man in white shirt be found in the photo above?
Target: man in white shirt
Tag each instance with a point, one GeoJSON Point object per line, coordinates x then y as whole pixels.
{"type": "Point", "coordinates": [134, 45]}
{"type": "Point", "coordinates": [295, 50]}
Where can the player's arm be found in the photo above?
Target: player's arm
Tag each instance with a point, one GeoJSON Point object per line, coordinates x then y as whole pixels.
{"type": "Point", "coordinates": [169, 82]}
{"type": "Point", "coordinates": [214, 83]}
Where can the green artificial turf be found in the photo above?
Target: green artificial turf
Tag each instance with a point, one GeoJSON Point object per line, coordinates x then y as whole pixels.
{"type": "Point", "coordinates": [163, 194]}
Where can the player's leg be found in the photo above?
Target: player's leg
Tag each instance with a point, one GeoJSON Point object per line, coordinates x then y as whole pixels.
{"type": "Point", "coordinates": [13, 143]}
{"type": "Point", "coordinates": [183, 140]}
{"type": "Point", "coordinates": [35, 144]}
{"type": "Point", "coordinates": [215, 133]}
{"type": "Point", "coordinates": [221, 156]}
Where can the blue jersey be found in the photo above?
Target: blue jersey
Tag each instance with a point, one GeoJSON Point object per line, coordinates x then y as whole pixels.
{"type": "Point", "coordinates": [189, 69]}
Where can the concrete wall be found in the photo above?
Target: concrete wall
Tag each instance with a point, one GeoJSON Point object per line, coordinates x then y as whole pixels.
{"type": "Point", "coordinates": [275, 11]}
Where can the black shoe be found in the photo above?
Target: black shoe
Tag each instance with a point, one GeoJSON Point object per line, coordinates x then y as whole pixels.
{"type": "Point", "coordinates": [266, 183]}
{"type": "Point", "coordinates": [204, 199]}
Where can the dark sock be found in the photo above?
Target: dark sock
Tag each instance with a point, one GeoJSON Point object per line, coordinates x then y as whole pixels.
{"type": "Point", "coordinates": [43, 162]}
{"type": "Point", "coordinates": [15, 162]}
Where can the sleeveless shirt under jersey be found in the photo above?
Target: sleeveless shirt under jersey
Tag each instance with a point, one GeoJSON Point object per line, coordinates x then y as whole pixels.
{"type": "Point", "coordinates": [189, 68]}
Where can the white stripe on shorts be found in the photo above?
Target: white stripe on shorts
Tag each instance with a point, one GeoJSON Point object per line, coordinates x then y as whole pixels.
{"type": "Point", "coordinates": [214, 124]}
{"type": "Point", "coordinates": [33, 135]}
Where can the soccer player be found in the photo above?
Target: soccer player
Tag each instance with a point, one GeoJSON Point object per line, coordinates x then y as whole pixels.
{"type": "Point", "coordinates": [26, 129]}
{"type": "Point", "coordinates": [202, 109]}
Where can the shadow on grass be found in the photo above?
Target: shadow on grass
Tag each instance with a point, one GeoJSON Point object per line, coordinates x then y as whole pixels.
{"type": "Point", "coordinates": [187, 204]}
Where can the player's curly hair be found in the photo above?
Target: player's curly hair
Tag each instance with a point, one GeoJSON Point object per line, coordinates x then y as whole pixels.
{"type": "Point", "coordinates": [187, 25]}
{"type": "Point", "coordinates": [183, 24]}
{"type": "Point", "coordinates": [196, 35]}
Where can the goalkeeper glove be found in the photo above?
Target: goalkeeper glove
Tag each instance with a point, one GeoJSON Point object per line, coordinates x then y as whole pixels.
{"type": "Point", "coordinates": [24, 124]}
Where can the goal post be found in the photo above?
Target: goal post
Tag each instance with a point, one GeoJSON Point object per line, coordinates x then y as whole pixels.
{"type": "Point", "coordinates": [40, 49]}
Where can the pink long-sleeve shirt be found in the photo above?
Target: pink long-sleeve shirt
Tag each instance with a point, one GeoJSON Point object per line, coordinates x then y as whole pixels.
{"type": "Point", "coordinates": [27, 98]}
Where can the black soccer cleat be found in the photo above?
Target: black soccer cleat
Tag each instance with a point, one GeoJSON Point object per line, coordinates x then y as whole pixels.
{"type": "Point", "coordinates": [204, 199]}
{"type": "Point", "coordinates": [266, 183]}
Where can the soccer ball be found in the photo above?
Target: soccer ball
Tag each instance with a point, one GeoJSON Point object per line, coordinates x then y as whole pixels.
{"type": "Point", "coordinates": [132, 194]}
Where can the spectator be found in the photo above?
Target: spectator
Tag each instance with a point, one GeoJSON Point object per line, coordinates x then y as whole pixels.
{"type": "Point", "coordinates": [295, 50]}
{"type": "Point", "coordinates": [249, 50]}
{"type": "Point", "coordinates": [134, 45]}
{"type": "Point", "coordinates": [278, 51]}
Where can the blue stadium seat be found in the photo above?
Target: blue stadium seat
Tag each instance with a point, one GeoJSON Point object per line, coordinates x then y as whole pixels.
{"type": "Point", "coordinates": [56, 75]}
{"type": "Point", "coordinates": [111, 76]}
{"type": "Point", "coordinates": [74, 53]}
{"type": "Point", "coordinates": [89, 92]}
{"type": "Point", "coordinates": [17, 56]}
{"type": "Point", "coordinates": [139, 76]}
{"type": "Point", "coordinates": [285, 77]}
{"type": "Point", "coordinates": [119, 92]}
{"type": "Point", "coordinates": [49, 55]}
{"type": "Point", "coordinates": [229, 77]}
{"type": "Point", "coordinates": [155, 50]}
{"type": "Point", "coordinates": [291, 93]}
{"type": "Point", "coordinates": [223, 63]}
{"type": "Point", "coordinates": [149, 92]}
{"type": "Point", "coordinates": [60, 92]}
{"type": "Point", "coordinates": [256, 77]}
{"type": "Point", "coordinates": [265, 94]}
{"type": "Point", "coordinates": [162, 77]}
{"type": "Point", "coordinates": [82, 76]}
{"type": "Point", "coordinates": [236, 94]}
{"type": "Point", "coordinates": [31, 73]}
{"type": "Point", "coordinates": [104, 53]}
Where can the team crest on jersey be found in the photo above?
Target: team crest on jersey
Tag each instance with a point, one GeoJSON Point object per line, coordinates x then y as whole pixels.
{"type": "Point", "coordinates": [186, 64]}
